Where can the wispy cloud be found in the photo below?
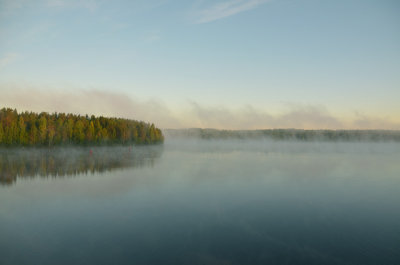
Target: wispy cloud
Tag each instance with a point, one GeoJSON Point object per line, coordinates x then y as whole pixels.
{"type": "Point", "coordinates": [226, 9]}
{"type": "Point", "coordinates": [7, 59]}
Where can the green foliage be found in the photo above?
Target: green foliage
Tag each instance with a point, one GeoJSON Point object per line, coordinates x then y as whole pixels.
{"type": "Point", "coordinates": [22, 131]}
{"type": "Point", "coordinates": [1, 133]}
{"type": "Point", "coordinates": [42, 129]}
{"type": "Point", "coordinates": [32, 129]}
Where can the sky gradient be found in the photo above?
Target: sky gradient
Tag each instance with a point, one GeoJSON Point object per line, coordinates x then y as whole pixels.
{"type": "Point", "coordinates": [236, 64]}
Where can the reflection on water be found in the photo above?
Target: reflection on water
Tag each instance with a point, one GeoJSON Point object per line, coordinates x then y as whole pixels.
{"type": "Point", "coordinates": [69, 161]}
{"type": "Point", "coordinates": [205, 202]}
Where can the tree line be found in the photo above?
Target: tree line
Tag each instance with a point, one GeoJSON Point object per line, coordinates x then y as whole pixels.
{"type": "Point", "coordinates": [44, 129]}
{"type": "Point", "coordinates": [289, 134]}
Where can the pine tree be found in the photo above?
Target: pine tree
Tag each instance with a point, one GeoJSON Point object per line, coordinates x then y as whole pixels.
{"type": "Point", "coordinates": [90, 132]}
{"type": "Point", "coordinates": [22, 139]}
{"type": "Point", "coordinates": [69, 127]}
{"type": "Point", "coordinates": [79, 135]}
{"type": "Point", "coordinates": [33, 135]}
{"type": "Point", "coordinates": [51, 132]}
{"type": "Point", "coordinates": [1, 133]}
{"type": "Point", "coordinates": [42, 130]}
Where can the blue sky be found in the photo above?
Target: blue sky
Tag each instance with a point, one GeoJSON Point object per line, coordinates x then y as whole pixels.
{"type": "Point", "coordinates": [204, 62]}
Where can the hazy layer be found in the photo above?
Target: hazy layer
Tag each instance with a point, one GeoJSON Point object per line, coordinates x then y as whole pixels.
{"type": "Point", "coordinates": [191, 114]}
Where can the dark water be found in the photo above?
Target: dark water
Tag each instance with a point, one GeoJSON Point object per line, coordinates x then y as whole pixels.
{"type": "Point", "coordinates": [203, 202]}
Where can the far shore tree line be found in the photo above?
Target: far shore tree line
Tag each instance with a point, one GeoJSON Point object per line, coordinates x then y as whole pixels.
{"type": "Point", "coordinates": [288, 134]}
{"type": "Point", "coordinates": [44, 129]}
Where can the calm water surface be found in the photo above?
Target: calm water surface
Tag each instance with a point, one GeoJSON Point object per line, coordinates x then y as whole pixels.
{"type": "Point", "coordinates": [202, 202]}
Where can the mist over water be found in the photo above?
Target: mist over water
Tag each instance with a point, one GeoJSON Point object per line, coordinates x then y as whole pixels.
{"type": "Point", "coordinates": [72, 161]}
{"type": "Point", "coordinates": [204, 202]}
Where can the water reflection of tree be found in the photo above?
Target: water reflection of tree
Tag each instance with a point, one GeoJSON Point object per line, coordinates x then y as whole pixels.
{"type": "Point", "coordinates": [60, 162]}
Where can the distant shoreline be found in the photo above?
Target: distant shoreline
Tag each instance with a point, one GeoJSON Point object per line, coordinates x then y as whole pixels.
{"type": "Point", "coordinates": [288, 134]}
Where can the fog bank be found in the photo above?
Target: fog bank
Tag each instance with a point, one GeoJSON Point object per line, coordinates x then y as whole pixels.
{"type": "Point", "coordinates": [190, 114]}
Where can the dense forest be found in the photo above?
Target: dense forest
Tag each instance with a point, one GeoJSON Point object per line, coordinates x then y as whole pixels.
{"type": "Point", "coordinates": [288, 134]}
{"type": "Point", "coordinates": [44, 129]}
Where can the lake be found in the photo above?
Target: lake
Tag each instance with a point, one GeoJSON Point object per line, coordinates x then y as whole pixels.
{"type": "Point", "coordinates": [202, 202]}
